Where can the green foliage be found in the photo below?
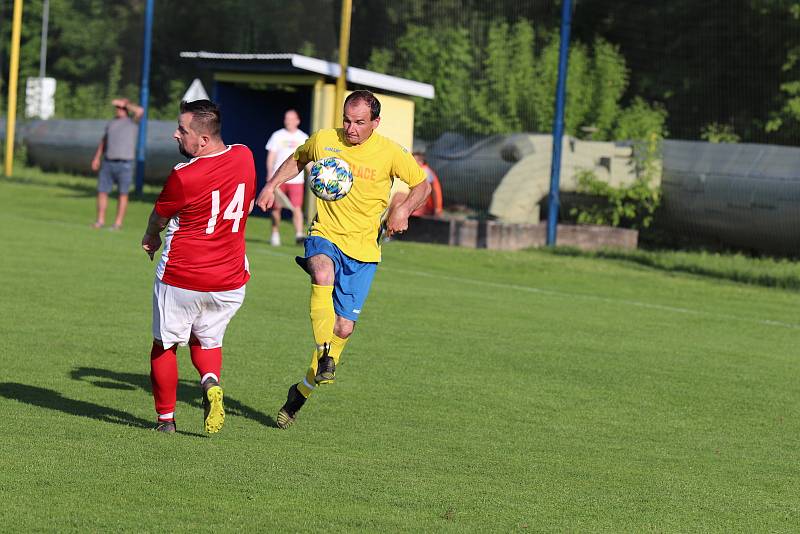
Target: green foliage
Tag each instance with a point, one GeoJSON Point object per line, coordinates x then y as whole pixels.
{"type": "Point", "coordinates": [508, 66]}
{"type": "Point", "coordinates": [89, 40]}
{"type": "Point", "coordinates": [170, 108]}
{"type": "Point", "coordinates": [82, 101]}
{"type": "Point", "coordinates": [788, 116]}
{"type": "Point", "coordinates": [610, 81]}
{"type": "Point", "coordinates": [522, 72]}
{"type": "Point", "coordinates": [307, 48]}
{"type": "Point", "coordinates": [90, 101]}
{"type": "Point", "coordinates": [446, 56]}
{"type": "Point", "coordinates": [493, 74]}
{"type": "Point", "coordinates": [673, 56]}
{"type": "Point", "coordinates": [496, 82]}
{"type": "Point", "coordinates": [380, 60]}
{"type": "Point", "coordinates": [579, 90]}
{"type": "Point", "coordinates": [114, 78]}
{"type": "Point", "coordinates": [544, 88]}
{"type": "Point", "coordinates": [631, 206]}
{"type": "Point", "coordinates": [640, 120]}
{"type": "Point", "coordinates": [719, 133]}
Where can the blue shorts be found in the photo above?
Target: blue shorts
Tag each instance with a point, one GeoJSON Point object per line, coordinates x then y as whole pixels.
{"type": "Point", "coordinates": [352, 278]}
{"type": "Point", "coordinates": [115, 171]}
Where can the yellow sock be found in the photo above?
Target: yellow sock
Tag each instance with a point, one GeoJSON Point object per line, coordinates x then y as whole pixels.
{"type": "Point", "coordinates": [323, 318]}
{"type": "Point", "coordinates": [308, 384]}
{"type": "Point", "coordinates": [337, 346]}
{"type": "Point", "coordinates": [304, 389]}
{"type": "Point", "coordinates": [322, 314]}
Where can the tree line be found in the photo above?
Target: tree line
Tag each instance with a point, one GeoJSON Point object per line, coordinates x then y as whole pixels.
{"type": "Point", "coordinates": [722, 70]}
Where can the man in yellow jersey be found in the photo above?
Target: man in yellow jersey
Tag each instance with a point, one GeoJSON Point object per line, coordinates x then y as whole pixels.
{"type": "Point", "coordinates": [343, 248]}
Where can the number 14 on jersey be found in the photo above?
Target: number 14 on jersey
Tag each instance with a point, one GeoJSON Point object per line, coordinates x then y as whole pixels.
{"type": "Point", "coordinates": [234, 211]}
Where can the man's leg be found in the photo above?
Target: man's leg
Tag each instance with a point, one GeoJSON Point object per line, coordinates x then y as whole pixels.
{"type": "Point", "coordinates": [297, 220]}
{"type": "Point", "coordinates": [320, 363]}
{"type": "Point", "coordinates": [322, 315]}
{"type": "Point", "coordinates": [164, 379]}
{"type": "Point", "coordinates": [123, 173]}
{"type": "Point", "coordinates": [353, 282]}
{"type": "Point", "coordinates": [122, 207]}
{"type": "Point", "coordinates": [334, 311]}
{"type": "Point", "coordinates": [275, 237]}
{"type": "Point", "coordinates": [173, 312]}
{"type": "Point", "coordinates": [341, 333]}
{"type": "Point", "coordinates": [205, 345]}
{"type": "Point", "coordinates": [102, 205]}
{"type": "Point", "coordinates": [325, 371]}
{"type": "Point", "coordinates": [321, 269]}
{"type": "Point", "coordinates": [208, 363]}
{"type": "Point", "coordinates": [105, 183]}
{"type": "Point", "coordinates": [295, 194]}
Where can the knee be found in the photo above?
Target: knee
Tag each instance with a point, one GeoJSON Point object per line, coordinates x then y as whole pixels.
{"type": "Point", "coordinates": [321, 278]}
{"type": "Point", "coordinates": [343, 327]}
{"type": "Point", "coordinates": [321, 271]}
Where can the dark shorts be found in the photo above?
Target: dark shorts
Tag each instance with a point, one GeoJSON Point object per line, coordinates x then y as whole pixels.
{"type": "Point", "coordinates": [118, 172]}
{"type": "Point", "coordinates": [352, 278]}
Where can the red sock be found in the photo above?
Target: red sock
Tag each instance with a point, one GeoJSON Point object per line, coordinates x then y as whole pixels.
{"type": "Point", "coordinates": [164, 377]}
{"type": "Point", "coordinates": [206, 361]}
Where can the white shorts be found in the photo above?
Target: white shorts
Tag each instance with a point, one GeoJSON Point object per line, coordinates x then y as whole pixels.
{"type": "Point", "coordinates": [179, 313]}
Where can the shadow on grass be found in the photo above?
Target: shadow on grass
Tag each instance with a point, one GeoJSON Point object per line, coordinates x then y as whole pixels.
{"type": "Point", "coordinates": [188, 392]}
{"type": "Point", "coordinates": [80, 187]}
{"type": "Point", "coordinates": [53, 400]}
{"type": "Point", "coordinates": [755, 272]}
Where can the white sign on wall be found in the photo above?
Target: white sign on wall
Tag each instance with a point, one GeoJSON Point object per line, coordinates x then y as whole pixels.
{"type": "Point", "coordinates": [40, 98]}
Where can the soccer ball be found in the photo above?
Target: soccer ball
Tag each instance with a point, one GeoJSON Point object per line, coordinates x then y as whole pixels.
{"type": "Point", "coordinates": [330, 178]}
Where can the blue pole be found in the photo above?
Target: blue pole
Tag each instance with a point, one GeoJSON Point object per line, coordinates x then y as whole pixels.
{"type": "Point", "coordinates": [144, 96]}
{"type": "Point", "coordinates": [558, 123]}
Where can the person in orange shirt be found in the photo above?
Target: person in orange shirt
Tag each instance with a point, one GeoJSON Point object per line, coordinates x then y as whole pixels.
{"type": "Point", "coordinates": [433, 204]}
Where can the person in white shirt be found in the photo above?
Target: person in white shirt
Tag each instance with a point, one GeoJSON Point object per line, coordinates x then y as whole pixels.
{"type": "Point", "coordinates": [281, 145]}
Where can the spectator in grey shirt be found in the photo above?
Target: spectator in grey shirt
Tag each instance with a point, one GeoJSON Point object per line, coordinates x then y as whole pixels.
{"type": "Point", "coordinates": [114, 159]}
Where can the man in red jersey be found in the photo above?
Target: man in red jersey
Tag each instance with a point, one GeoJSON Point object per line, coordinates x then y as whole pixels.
{"type": "Point", "coordinates": [200, 280]}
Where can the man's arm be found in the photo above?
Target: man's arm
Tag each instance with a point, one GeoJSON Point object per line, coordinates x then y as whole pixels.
{"type": "Point", "coordinates": [98, 154]}
{"type": "Point", "coordinates": [398, 218]}
{"type": "Point", "coordinates": [151, 241]}
{"type": "Point", "coordinates": [288, 170]}
{"type": "Point", "coordinates": [137, 111]}
{"type": "Point", "coordinates": [130, 107]}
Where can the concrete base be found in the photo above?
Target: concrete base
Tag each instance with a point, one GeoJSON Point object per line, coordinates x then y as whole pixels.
{"type": "Point", "coordinates": [506, 236]}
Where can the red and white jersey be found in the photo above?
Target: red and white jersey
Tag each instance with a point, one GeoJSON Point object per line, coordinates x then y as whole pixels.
{"type": "Point", "coordinates": [207, 201]}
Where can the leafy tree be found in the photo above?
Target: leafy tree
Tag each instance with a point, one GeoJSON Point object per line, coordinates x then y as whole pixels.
{"type": "Point", "coordinates": [506, 86]}
{"type": "Point", "coordinates": [719, 133]}
{"type": "Point", "coordinates": [380, 60]}
{"type": "Point", "coordinates": [640, 120]}
{"type": "Point", "coordinates": [630, 206]}
{"type": "Point", "coordinates": [711, 61]}
{"type": "Point", "coordinates": [645, 126]}
{"type": "Point", "coordinates": [445, 56]}
{"type": "Point", "coordinates": [544, 90]}
{"type": "Point", "coordinates": [610, 79]}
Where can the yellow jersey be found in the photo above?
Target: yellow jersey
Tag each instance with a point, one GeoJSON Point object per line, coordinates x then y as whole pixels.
{"type": "Point", "coordinates": [353, 222]}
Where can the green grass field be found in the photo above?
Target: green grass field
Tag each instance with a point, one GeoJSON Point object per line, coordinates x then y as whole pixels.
{"type": "Point", "coordinates": [482, 391]}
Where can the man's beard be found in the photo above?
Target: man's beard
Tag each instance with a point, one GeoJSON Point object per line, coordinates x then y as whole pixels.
{"type": "Point", "coordinates": [184, 152]}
